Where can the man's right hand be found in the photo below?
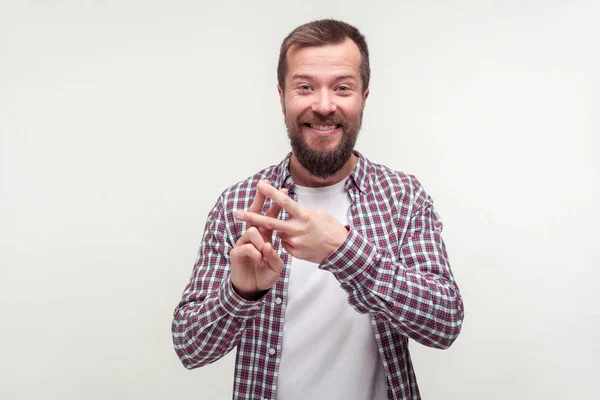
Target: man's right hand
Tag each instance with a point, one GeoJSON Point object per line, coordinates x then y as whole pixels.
{"type": "Point", "coordinates": [252, 270]}
{"type": "Point", "coordinates": [255, 265]}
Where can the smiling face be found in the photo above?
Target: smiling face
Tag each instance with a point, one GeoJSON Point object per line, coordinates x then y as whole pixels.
{"type": "Point", "coordinates": [323, 102]}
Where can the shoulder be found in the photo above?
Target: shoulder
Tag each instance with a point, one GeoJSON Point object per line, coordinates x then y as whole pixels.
{"type": "Point", "coordinates": [393, 183]}
{"type": "Point", "coordinates": [241, 194]}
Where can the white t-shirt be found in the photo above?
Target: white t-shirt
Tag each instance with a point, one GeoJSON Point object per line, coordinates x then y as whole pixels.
{"type": "Point", "coordinates": [329, 349]}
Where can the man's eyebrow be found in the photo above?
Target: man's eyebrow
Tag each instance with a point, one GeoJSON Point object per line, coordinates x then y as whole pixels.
{"type": "Point", "coordinates": [302, 76]}
{"type": "Point", "coordinates": [307, 77]}
{"type": "Point", "coordinates": [346, 76]}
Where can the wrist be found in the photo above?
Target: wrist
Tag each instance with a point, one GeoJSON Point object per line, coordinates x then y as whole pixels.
{"type": "Point", "coordinates": [339, 240]}
{"type": "Point", "coordinates": [249, 295]}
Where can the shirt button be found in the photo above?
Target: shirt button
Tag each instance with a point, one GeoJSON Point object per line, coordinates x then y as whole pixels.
{"type": "Point", "coordinates": [278, 300]}
{"type": "Point", "coordinates": [271, 351]}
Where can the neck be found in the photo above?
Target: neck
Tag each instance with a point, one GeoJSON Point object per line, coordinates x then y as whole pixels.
{"type": "Point", "coordinates": [304, 178]}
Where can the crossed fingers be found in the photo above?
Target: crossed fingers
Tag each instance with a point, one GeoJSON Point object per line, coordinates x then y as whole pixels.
{"type": "Point", "coordinates": [269, 221]}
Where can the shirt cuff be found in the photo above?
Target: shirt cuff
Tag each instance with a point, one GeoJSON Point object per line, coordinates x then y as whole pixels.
{"type": "Point", "coordinates": [234, 304]}
{"type": "Point", "coordinates": [352, 259]}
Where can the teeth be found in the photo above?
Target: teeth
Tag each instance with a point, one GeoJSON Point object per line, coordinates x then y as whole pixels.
{"type": "Point", "coordinates": [322, 127]}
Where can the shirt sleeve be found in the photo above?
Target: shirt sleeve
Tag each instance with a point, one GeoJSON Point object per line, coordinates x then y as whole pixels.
{"type": "Point", "coordinates": [416, 295]}
{"type": "Point", "coordinates": [210, 318]}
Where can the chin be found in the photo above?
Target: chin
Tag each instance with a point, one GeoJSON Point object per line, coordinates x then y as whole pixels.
{"type": "Point", "coordinates": [323, 143]}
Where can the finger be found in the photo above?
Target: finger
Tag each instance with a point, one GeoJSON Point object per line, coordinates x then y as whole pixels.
{"type": "Point", "coordinates": [247, 250]}
{"type": "Point", "coordinates": [281, 199]}
{"type": "Point", "coordinates": [275, 208]}
{"type": "Point", "coordinates": [259, 200]}
{"type": "Point", "coordinates": [273, 260]}
{"type": "Point", "coordinates": [266, 234]}
{"type": "Point", "coordinates": [258, 220]}
{"type": "Point", "coordinates": [252, 235]}
{"type": "Point", "coordinates": [272, 212]}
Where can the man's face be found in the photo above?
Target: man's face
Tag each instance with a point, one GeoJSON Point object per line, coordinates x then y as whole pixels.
{"type": "Point", "coordinates": [323, 103]}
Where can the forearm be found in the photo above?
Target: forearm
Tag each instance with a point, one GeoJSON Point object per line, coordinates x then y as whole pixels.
{"type": "Point", "coordinates": [422, 301]}
{"type": "Point", "coordinates": [206, 329]}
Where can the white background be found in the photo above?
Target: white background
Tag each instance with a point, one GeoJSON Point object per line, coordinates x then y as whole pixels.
{"type": "Point", "coordinates": [122, 121]}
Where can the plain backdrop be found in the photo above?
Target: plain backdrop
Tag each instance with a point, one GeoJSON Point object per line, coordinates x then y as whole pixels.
{"type": "Point", "coordinates": [122, 121]}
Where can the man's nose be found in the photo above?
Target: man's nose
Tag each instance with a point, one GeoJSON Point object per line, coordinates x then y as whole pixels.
{"type": "Point", "coordinates": [324, 103]}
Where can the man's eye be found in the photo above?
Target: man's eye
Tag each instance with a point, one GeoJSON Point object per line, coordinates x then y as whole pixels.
{"type": "Point", "coordinates": [343, 88]}
{"type": "Point", "coordinates": [304, 87]}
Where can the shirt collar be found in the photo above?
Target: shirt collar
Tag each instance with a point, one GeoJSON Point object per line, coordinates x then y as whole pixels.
{"type": "Point", "coordinates": [359, 177]}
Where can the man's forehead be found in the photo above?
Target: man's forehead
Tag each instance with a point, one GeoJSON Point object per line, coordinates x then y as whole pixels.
{"type": "Point", "coordinates": [344, 54]}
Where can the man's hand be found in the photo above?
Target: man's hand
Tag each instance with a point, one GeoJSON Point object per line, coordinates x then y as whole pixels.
{"type": "Point", "coordinates": [255, 265]}
{"type": "Point", "coordinates": [308, 235]}
{"type": "Point", "coordinates": [273, 211]}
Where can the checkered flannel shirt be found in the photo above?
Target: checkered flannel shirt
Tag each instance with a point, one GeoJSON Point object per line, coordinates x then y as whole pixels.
{"type": "Point", "coordinates": [393, 265]}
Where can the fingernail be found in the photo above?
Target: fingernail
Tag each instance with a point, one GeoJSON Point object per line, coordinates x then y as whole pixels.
{"type": "Point", "coordinates": [239, 214]}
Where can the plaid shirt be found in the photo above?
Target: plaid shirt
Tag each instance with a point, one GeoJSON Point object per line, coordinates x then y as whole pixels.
{"type": "Point", "coordinates": [392, 265]}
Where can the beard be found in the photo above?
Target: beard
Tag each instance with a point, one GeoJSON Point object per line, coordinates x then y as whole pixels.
{"type": "Point", "coordinates": [323, 163]}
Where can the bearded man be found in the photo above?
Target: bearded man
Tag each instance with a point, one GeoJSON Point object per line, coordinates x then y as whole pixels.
{"type": "Point", "coordinates": [321, 268]}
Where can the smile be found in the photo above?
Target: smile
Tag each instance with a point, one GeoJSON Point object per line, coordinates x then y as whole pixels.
{"type": "Point", "coordinates": [323, 128]}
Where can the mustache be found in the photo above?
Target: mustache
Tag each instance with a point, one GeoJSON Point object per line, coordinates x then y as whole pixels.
{"type": "Point", "coordinates": [320, 120]}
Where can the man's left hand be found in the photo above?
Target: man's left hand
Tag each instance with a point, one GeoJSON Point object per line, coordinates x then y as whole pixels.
{"type": "Point", "coordinates": [307, 234]}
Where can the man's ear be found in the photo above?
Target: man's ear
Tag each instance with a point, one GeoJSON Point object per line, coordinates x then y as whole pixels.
{"type": "Point", "coordinates": [281, 99]}
{"type": "Point", "coordinates": [365, 97]}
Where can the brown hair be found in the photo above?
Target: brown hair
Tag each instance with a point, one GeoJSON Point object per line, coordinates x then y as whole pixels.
{"type": "Point", "coordinates": [321, 33]}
